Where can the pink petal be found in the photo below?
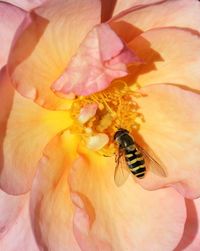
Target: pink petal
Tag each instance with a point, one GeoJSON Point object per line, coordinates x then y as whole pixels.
{"type": "Point", "coordinates": [171, 129]}
{"type": "Point", "coordinates": [10, 19]}
{"type": "Point", "coordinates": [190, 240]}
{"type": "Point", "coordinates": [20, 237]}
{"type": "Point", "coordinates": [10, 208]}
{"type": "Point", "coordinates": [170, 56]}
{"type": "Point", "coordinates": [129, 218]}
{"type": "Point", "coordinates": [26, 4]}
{"type": "Point", "coordinates": [52, 37]}
{"type": "Point", "coordinates": [123, 5]}
{"type": "Point", "coordinates": [175, 13]}
{"type": "Point", "coordinates": [51, 208]}
{"type": "Point", "coordinates": [25, 129]}
{"type": "Point", "coordinates": [101, 58]}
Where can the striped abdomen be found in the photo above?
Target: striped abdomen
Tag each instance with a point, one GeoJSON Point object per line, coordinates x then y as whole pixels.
{"type": "Point", "coordinates": [135, 161]}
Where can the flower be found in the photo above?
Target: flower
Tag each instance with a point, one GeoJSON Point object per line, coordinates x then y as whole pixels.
{"type": "Point", "coordinates": [67, 81]}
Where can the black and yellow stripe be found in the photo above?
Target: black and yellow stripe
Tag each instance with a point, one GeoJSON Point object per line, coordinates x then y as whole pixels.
{"type": "Point", "coordinates": [135, 162]}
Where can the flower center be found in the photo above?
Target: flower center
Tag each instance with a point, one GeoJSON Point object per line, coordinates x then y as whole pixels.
{"type": "Point", "coordinates": [105, 112]}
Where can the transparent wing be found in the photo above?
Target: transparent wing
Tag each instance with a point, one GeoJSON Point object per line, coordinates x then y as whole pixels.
{"type": "Point", "coordinates": [121, 169]}
{"type": "Point", "coordinates": [152, 161]}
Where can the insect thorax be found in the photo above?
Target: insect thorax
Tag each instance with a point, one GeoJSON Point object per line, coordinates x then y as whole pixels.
{"type": "Point", "coordinates": [125, 141]}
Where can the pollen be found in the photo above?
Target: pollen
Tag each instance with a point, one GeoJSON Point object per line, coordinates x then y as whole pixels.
{"type": "Point", "coordinates": [116, 107]}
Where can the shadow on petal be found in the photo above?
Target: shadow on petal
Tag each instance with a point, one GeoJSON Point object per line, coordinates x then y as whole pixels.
{"type": "Point", "coordinates": [44, 47]}
{"type": "Point", "coordinates": [143, 50]}
{"type": "Point", "coordinates": [27, 41]}
{"type": "Point", "coordinates": [107, 8]}
{"type": "Point", "coordinates": [121, 27]}
{"type": "Point", "coordinates": [191, 226]}
{"type": "Point", "coordinates": [10, 19]}
{"type": "Point", "coordinates": [6, 106]}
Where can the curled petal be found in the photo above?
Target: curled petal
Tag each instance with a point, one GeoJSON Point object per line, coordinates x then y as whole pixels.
{"type": "Point", "coordinates": [168, 58]}
{"type": "Point", "coordinates": [107, 217]}
{"type": "Point", "coordinates": [171, 129]}
{"type": "Point", "coordinates": [175, 13]}
{"type": "Point", "coordinates": [53, 35]}
{"type": "Point", "coordinates": [50, 197]}
{"type": "Point", "coordinates": [10, 208]}
{"type": "Point", "coordinates": [10, 19]}
{"type": "Point", "coordinates": [25, 130]}
{"type": "Point", "coordinates": [83, 219]}
{"type": "Point", "coordinates": [123, 5]}
{"type": "Point", "coordinates": [190, 240]}
{"type": "Point", "coordinates": [20, 235]}
{"type": "Point", "coordinates": [26, 4]}
{"type": "Point", "coordinates": [101, 58]}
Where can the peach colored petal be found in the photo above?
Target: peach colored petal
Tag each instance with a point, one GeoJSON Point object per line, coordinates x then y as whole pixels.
{"type": "Point", "coordinates": [10, 19]}
{"type": "Point", "coordinates": [51, 208]}
{"type": "Point", "coordinates": [123, 5]}
{"type": "Point", "coordinates": [170, 56]}
{"type": "Point", "coordinates": [10, 208]}
{"type": "Point", "coordinates": [190, 240]}
{"type": "Point", "coordinates": [25, 129]}
{"type": "Point", "coordinates": [104, 217]}
{"type": "Point", "coordinates": [171, 128]}
{"type": "Point", "coordinates": [128, 218]}
{"type": "Point", "coordinates": [20, 237]}
{"type": "Point", "coordinates": [101, 58]}
{"type": "Point", "coordinates": [52, 38]}
{"type": "Point", "coordinates": [175, 13]}
{"type": "Point", "coordinates": [26, 4]}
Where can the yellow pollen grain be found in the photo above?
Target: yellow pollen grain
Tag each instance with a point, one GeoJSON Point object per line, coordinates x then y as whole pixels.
{"type": "Point", "coordinates": [117, 107]}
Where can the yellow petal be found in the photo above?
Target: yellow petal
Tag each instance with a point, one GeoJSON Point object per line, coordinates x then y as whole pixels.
{"type": "Point", "coordinates": [26, 128]}
{"type": "Point", "coordinates": [102, 217]}
{"type": "Point", "coordinates": [128, 218]}
{"type": "Point", "coordinates": [51, 208]}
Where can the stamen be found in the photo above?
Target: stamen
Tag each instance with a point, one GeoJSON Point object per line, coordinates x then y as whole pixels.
{"type": "Point", "coordinates": [116, 107]}
{"type": "Point", "coordinates": [106, 105]}
{"type": "Point", "coordinates": [98, 141]}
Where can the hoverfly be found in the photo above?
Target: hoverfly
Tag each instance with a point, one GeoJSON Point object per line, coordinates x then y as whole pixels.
{"type": "Point", "coordinates": [132, 158]}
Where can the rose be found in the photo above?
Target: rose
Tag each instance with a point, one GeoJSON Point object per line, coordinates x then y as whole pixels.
{"type": "Point", "coordinates": [82, 193]}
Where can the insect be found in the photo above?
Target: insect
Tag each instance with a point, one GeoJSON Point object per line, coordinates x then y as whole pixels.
{"type": "Point", "coordinates": [132, 158]}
